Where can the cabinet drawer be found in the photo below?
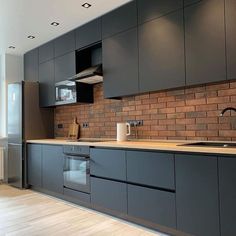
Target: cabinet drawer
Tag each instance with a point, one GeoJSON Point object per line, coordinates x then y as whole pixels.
{"type": "Point", "coordinates": [152, 205]}
{"type": "Point", "coordinates": [151, 168]}
{"type": "Point", "coordinates": [108, 163]}
{"type": "Point", "coordinates": [73, 150]}
{"type": "Point", "coordinates": [77, 196]}
{"type": "Point", "coordinates": [109, 194]}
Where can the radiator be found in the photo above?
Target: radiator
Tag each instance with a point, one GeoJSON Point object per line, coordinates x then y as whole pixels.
{"type": "Point", "coordinates": [1, 163]}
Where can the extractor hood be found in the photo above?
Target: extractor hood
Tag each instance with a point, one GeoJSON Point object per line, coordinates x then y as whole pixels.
{"type": "Point", "coordinates": [91, 75]}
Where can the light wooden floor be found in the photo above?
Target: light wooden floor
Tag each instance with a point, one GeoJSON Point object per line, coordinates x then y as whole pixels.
{"type": "Point", "coordinates": [27, 213]}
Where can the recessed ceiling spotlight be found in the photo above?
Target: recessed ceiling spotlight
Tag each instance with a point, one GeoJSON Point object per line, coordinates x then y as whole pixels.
{"type": "Point", "coordinates": [31, 37]}
{"type": "Point", "coordinates": [55, 23]}
{"type": "Point", "coordinates": [11, 47]}
{"type": "Point", "coordinates": [86, 5]}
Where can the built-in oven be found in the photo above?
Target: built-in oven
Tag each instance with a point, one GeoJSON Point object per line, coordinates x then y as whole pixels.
{"type": "Point", "coordinates": [77, 168]}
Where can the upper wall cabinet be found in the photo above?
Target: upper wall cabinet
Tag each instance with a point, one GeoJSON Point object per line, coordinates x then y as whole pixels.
{"type": "Point", "coordinates": [31, 65]}
{"type": "Point", "coordinates": [89, 33]}
{"type": "Point", "coordinates": [151, 9]}
{"type": "Point", "coordinates": [119, 20]}
{"type": "Point", "coordinates": [161, 53]}
{"type": "Point", "coordinates": [205, 42]}
{"type": "Point", "coordinates": [230, 10]}
{"type": "Point", "coordinates": [65, 44]}
{"type": "Point", "coordinates": [120, 64]}
{"type": "Point", "coordinates": [46, 52]}
{"type": "Point", "coordinates": [189, 2]}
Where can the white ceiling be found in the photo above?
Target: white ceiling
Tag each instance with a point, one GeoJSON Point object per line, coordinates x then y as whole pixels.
{"type": "Point", "coordinates": [21, 18]}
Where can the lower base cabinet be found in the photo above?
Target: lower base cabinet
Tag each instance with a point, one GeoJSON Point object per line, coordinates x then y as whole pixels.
{"type": "Point", "coordinates": [152, 205]}
{"type": "Point", "coordinates": [109, 194]}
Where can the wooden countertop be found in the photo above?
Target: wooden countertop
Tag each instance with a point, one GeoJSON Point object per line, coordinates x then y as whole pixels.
{"type": "Point", "coordinates": [157, 145]}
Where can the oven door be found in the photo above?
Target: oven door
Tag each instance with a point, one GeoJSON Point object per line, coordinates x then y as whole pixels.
{"type": "Point", "coordinates": [77, 173]}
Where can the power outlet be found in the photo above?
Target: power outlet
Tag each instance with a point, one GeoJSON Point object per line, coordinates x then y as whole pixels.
{"type": "Point", "coordinates": [85, 125]}
{"type": "Point", "coordinates": [60, 126]}
{"type": "Point", "coordinates": [135, 122]}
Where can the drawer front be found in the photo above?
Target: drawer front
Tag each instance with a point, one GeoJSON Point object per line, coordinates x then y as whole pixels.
{"type": "Point", "coordinates": [150, 168]}
{"type": "Point", "coordinates": [109, 194]}
{"type": "Point", "coordinates": [76, 150]}
{"type": "Point", "coordinates": [152, 205]}
{"type": "Point", "coordinates": [77, 196]}
{"type": "Point", "coordinates": [108, 163]}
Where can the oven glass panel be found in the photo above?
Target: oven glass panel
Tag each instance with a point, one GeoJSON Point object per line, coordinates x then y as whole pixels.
{"type": "Point", "coordinates": [65, 92]}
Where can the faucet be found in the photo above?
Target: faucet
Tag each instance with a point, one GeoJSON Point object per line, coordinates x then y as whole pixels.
{"type": "Point", "coordinates": [227, 109]}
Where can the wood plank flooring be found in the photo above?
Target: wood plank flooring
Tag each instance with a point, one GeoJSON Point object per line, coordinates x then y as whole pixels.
{"type": "Point", "coordinates": [28, 213]}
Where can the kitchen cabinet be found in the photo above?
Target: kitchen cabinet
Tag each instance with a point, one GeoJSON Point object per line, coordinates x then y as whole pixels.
{"type": "Point", "coordinates": [65, 67]}
{"type": "Point", "coordinates": [46, 52]}
{"type": "Point", "coordinates": [65, 44]}
{"type": "Point", "coordinates": [230, 18]}
{"type": "Point", "coordinates": [52, 168]}
{"type": "Point", "coordinates": [120, 64]}
{"type": "Point", "coordinates": [197, 200]}
{"type": "Point", "coordinates": [119, 20]}
{"type": "Point", "coordinates": [108, 163]}
{"type": "Point", "coordinates": [34, 165]}
{"type": "Point", "coordinates": [31, 65]}
{"type": "Point", "coordinates": [109, 195]}
{"type": "Point", "coordinates": [205, 42]}
{"type": "Point", "coordinates": [227, 183]}
{"type": "Point", "coordinates": [89, 33]}
{"type": "Point", "coordinates": [152, 205]}
{"type": "Point", "coordinates": [161, 53]}
{"type": "Point", "coordinates": [47, 84]}
{"type": "Point", "coordinates": [151, 9]}
{"type": "Point", "coordinates": [189, 2]}
{"type": "Point", "coordinates": [150, 168]}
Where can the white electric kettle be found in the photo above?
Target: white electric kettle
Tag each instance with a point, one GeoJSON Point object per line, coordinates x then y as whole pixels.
{"type": "Point", "coordinates": [123, 130]}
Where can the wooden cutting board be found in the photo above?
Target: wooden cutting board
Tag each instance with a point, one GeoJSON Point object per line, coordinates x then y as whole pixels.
{"type": "Point", "coordinates": [74, 129]}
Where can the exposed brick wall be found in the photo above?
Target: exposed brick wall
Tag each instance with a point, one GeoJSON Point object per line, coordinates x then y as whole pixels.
{"type": "Point", "coordinates": [191, 113]}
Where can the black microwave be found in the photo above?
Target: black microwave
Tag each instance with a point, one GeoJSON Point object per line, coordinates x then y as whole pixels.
{"type": "Point", "coordinates": [70, 92]}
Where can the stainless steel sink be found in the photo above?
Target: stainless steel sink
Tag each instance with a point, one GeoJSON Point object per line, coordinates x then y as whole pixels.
{"type": "Point", "coordinates": [210, 144]}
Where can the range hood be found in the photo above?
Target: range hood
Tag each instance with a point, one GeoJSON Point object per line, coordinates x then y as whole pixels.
{"type": "Point", "coordinates": [92, 75]}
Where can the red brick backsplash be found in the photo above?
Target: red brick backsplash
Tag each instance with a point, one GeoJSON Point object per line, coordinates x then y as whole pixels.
{"type": "Point", "coordinates": [186, 114]}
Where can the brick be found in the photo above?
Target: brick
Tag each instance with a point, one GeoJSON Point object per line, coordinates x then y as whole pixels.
{"type": "Point", "coordinates": [196, 127]}
{"type": "Point", "coordinates": [185, 109]}
{"type": "Point", "coordinates": [195, 114]}
{"type": "Point", "coordinates": [208, 107]}
{"type": "Point", "coordinates": [176, 104]}
{"type": "Point", "coordinates": [167, 122]}
{"type": "Point", "coordinates": [176, 127]}
{"type": "Point", "coordinates": [218, 100]}
{"type": "Point", "coordinates": [209, 120]}
{"type": "Point", "coordinates": [199, 101]}
{"type": "Point", "coordinates": [207, 133]}
{"type": "Point", "coordinates": [227, 92]}
{"type": "Point", "coordinates": [166, 110]}
{"type": "Point", "coordinates": [187, 133]}
{"type": "Point", "coordinates": [186, 121]}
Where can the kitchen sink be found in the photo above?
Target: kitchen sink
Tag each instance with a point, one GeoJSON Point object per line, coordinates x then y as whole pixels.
{"type": "Point", "coordinates": [210, 144]}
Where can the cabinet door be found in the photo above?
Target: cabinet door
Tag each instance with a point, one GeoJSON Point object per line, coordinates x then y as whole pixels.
{"type": "Point", "coordinates": [230, 11]}
{"type": "Point", "coordinates": [34, 167]}
{"type": "Point", "coordinates": [150, 168]}
{"type": "Point", "coordinates": [227, 181]}
{"type": "Point", "coordinates": [205, 42]}
{"type": "Point", "coordinates": [46, 84]}
{"type": "Point", "coordinates": [109, 194]}
{"type": "Point", "coordinates": [197, 200]}
{"type": "Point", "coordinates": [46, 52]}
{"type": "Point", "coordinates": [161, 53]}
{"type": "Point", "coordinates": [65, 44]}
{"type": "Point", "coordinates": [152, 205]}
{"type": "Point", "coordinates": [52, 168]}
{"type": "Point", "coordinates": [119, 20]}
{"type": "Point", "coordinates": [108, 163]}
{"type": "Point", "coordinates": [31, 65]}
{"type": "Point", "coordinates": [89, 33]}
{"type": "Point", "coordinates": [65, 67]}
{"type": "Point", "coordinates": [189, 2]}
{"type": "Point", "coordinates": [120, 64]}
{"type": "Point", "coordinates": [151, 9]}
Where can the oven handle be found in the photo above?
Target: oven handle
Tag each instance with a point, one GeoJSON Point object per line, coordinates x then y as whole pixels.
{"type": "Point", "coordinates": [82, 158]}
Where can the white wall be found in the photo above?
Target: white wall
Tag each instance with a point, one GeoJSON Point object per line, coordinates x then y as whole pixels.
{"type": "Point", "coordinates": [2, 96]}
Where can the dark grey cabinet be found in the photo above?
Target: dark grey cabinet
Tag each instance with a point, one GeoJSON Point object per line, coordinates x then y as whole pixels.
{"type": "Point", "coordinates": [52, 168]}
{"type": "Point", "coordinates": [31, 65]}
{"type": "Point", "coordinates": [34, 165]}
{"type": "Point", "coordinates": [205, 42]}
{"type": "Point", "coordinates": [46, 52]}
{"type": "Point", "coordinates": [120, 64]}
{"type": "Point", "coordinates": [109, 194]}
{"type": "Point", "coordinates": [89, 33]}
{"type": "Point", "coordinates": [161, 53]}
{"type": "Point", "coordinates": [227, 183]}
{"type": "Point", "coordinates": [151, 9]}
{"type": "Point", "coordinates": [189, 2]}
{"type": "Point", "coordinates": [230, 17]}
{"type": "Point", "coordinates": [150, 168]}
{"type": "Point", "coordinates": [197, 200]}
{"type": "Point", "coordinates": [65, 44]}
{"type": "Point", "coordinates": [119, 20]}
{"type": "Point", "coordinates": [65, 67]}
{"type": "Point", "coordinates": [152, 205]}
{"type": "Point", "coordinates": [46, 86]}
{"type": "Point", "coordinates": [108, 163]}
